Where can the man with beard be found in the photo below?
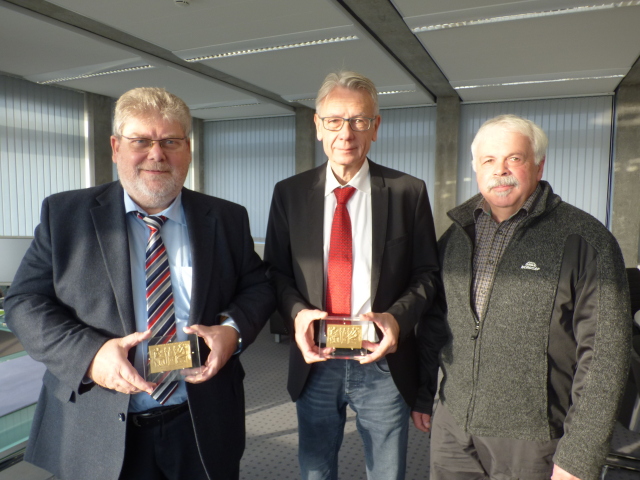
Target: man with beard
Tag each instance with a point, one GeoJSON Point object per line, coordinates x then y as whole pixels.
{"type": "Point", "coordinates": [109, 268]}
{"type": "Point", "coordinates": [538, 308]}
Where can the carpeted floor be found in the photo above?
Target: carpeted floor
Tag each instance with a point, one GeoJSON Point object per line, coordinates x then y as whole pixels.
{"type": "Point", "coordinates": [271, 452]}
{"type": "Point", "coordinates": [272, 439]}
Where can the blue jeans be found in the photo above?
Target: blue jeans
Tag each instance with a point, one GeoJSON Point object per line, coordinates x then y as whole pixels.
{"type": "Point", "coordinates": [382, 419]}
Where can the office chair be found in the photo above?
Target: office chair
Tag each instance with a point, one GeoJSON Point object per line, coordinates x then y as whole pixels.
{"type": "Point", "coordinates": [623, 460]}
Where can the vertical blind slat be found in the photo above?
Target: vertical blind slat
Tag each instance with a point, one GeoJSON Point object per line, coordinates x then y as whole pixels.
{"type": "Point", "coordinates": [41, 149]}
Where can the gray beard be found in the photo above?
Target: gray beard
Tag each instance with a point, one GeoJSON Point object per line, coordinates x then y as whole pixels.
{"type": "Point", "coordinates": [150, 198]}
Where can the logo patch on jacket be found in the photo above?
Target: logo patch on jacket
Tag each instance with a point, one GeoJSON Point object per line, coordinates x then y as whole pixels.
{"type": "Point", "coordinates": [530, 266]}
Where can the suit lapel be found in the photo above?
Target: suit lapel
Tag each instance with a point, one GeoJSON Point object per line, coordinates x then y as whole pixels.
{"type": "Point", "coordinates": [313, 239]}
{"type": "Point", "coordinates": [109, 220]}
{"type": "Point", "coordinates": [379, 213]}
{"type": "Point", "coordinates": [201, 225]}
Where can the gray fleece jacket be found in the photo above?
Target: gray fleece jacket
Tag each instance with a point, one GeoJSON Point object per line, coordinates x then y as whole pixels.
{"type": "Point", "coordinates": [550, 357]}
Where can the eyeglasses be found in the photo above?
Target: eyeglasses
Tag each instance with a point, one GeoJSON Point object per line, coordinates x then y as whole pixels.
{"type": "Point", "coordinates": [357, 124]}
{"type": "Point", "coordinates": [167, 144]}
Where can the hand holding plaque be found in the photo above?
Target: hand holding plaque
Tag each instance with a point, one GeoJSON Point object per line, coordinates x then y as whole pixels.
{"type": "Point", "coordinates": [305, 328]}
{"type": "Point", "coordinates": [181, 357]}
{"type": "Point", "coordinates": [390, 329]}
{"type": "Point", "coordinates": [342, 337]}
{"type": "Point", "coordinates": [222, 341]}
{"type": "Point", "coordinates": [111, 368]}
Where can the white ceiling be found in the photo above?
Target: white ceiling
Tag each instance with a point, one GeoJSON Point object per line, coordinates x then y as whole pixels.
{"type": "Point", "coordinates": [502, 52]}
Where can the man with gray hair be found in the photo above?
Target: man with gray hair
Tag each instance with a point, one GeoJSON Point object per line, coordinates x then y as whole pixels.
{"type": "Point", "coordinates": [538, 310]}
{"type": "Point", "coordinates": [386, 275]}
{"type": "Point", "coordinates": [114, 267]}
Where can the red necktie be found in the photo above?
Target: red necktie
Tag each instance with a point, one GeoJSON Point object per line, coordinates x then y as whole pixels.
{"type": "Point", "coordinates": [161, 316]}
{"type": "Point", "coordinates": [340, 264]}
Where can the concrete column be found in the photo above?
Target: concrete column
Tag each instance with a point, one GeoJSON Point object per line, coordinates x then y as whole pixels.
{"type": "Point", "coordinates": [447, 128]}
{"type": "Point", "coordinates": [305, 139]}
{"type": "Point", "coordinates": [625, 218]}
{"type": "Point", "coordinates": [197, 152]}
{"type": "Point", "coordinates": [98, 116]}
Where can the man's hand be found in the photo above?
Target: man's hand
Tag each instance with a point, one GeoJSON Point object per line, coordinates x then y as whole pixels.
{"type": "Point", "coordinates": [303, 325]}
{"type": "Point", "coordinates": [390, 331]}
{"type": "Point", "coordinates": [223, 342]}
{"type": "Point", "coordinates": [111, 368]}
{"type": "Point", "coordinates": [560, 474]}
{"type": "Point", "coordinates": [422, 421]}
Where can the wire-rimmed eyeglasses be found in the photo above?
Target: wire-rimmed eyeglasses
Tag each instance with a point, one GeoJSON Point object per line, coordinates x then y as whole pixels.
{"type": "Point", "coordinates": [166, 144]}
{"type": "Point", "coordinates": [357, 124]}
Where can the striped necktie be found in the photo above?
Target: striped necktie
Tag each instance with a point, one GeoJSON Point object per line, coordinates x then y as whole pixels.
{"type": "Point", "coordinates": [161, 318]}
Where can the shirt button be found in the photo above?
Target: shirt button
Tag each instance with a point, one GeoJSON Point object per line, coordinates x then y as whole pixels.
{"type": "Point", "coordinates": [121, 417]}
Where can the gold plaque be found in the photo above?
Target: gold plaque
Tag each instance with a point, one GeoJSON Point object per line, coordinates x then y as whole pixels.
{"type": "Point", "coordinates": [171, 356]}
{"type": "Point", "coordinates": [344, 336]}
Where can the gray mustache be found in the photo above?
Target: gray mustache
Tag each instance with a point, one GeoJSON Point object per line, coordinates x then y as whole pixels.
{"type": "Point", "coordinates": [509, 181]}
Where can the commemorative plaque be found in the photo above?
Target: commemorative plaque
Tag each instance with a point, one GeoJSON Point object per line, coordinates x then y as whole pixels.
{"type": "Point", "coordinates": [179, 356]}
{"type": "Point", "coordinates": [341, 337]}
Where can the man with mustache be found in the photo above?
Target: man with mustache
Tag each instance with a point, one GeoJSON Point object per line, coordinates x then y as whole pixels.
{"type": "Point", "coordinates": [119, 265]}
{"type": "Point", "coordinates": [538, 308]}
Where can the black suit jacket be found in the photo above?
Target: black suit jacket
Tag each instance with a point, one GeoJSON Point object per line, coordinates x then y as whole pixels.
{"type": "Point", "coordinates": [404, 271]}
{"type": "Point", "coordinates": [72, 293]}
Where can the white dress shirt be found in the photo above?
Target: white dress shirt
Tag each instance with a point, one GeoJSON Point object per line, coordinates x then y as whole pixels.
{"type": "Point", "coordinates": [359, 208]}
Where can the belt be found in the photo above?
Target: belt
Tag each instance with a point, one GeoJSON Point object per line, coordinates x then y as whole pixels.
{"type": "Point", "coordinates": [156, 416]}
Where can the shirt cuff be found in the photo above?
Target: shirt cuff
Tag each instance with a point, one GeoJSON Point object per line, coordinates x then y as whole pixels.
{"type": "Point", "coordinates": [229, 322]}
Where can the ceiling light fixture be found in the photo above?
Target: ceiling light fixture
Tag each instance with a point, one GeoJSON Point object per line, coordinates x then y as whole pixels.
{"type": "Point", "coordinates": [90, 75]}
{"type": "Point", "coordinates": [524, 16]}
{"type": "Point", "coordinates": [386, 92]}
{"type": "Point", "coordinates": [532, 82]}
{"type": "Point", "coordinates": [225, 106]}
{"type": "Point", "coordinates": [238, 53]}
{"type": "Point", "coordinates": [394, 92]}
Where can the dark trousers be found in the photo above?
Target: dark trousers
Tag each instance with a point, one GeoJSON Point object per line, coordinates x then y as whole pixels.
{"type": "Point", "coordinates": [457, 455]}
{"type": "Point", "coordinates": [164, 451]}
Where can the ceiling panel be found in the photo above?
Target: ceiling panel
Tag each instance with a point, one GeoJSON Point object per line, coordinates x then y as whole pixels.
{"type": "Point", "coordinates": [239, 111]}
{"type": "Point", "coordinates": [30, 47]}
{"type": "Point", "coordinates": [191, 89]}
{"type": "Point", "coordinates": [208, 22]}
{"type": "Point", "coordinates": [444, 11]}
{"type": "Point", "coordinates": [562, 46]}
{"type": "Point", "coordinates": [298, 73]}
{"type": "Point", "coordinates": [534, 54]}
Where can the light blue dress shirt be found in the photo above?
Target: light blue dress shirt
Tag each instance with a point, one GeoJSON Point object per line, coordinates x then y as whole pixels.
{"type": "Point", "coordinates": [176, 240]}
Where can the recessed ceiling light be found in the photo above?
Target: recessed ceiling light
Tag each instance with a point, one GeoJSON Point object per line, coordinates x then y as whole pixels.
{"type": "Point", "coordinates": [524, 16]}
{"type": "Point", "coordinates": [531, 82]}
{"type": "Point", "coordinates": [90, 75]}
{"type": "Point", "coordinates": [394, 92]}
{"type": "Point", "coordinates": [239, 105]}
{"type": "Point", "coordinates": [250, 51]}
{"type": "Point", "coordinates": [384, 92]}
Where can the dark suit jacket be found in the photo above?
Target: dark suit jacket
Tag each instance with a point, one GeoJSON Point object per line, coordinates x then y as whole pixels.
{"type": "Point", "coordinates": [404, 267]}
{"type": "Point", "coordinates": [72, 293]}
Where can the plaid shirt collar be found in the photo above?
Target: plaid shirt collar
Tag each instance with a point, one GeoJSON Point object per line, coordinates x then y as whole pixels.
{"type": "Point", "coordinates": [526, 208]}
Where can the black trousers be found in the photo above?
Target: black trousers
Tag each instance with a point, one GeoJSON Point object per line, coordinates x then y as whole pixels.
{"type": "Point", "coordinates": [165, 451]}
